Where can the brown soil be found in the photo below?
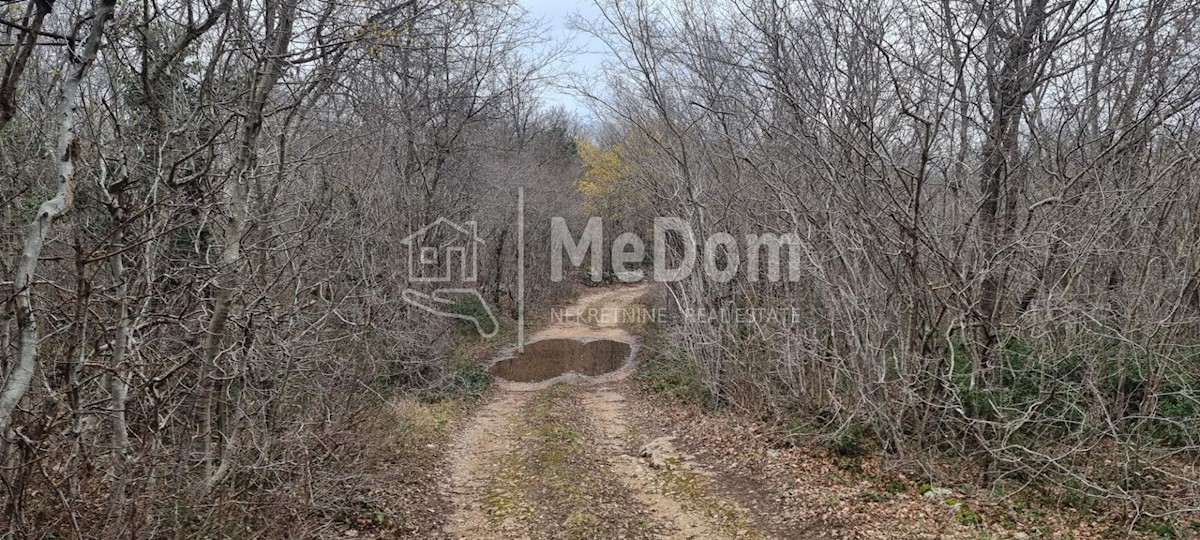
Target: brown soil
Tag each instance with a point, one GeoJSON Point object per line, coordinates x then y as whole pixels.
{"type": "Point", "coordinates": [552, 456]}
{"type": "Point", "coordinates": [560, 458]}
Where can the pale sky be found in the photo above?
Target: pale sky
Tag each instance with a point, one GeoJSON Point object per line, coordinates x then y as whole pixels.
{"type": "Point", "coordinates": [584, 65]}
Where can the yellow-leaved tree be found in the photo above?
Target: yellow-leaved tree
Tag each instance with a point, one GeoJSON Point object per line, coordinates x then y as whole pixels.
{"type": "Point", "coordinates": [607, 185]}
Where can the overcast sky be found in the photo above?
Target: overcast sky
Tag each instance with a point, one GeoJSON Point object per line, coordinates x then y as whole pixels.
{"type": "Point", "coordinates": [557, 16]}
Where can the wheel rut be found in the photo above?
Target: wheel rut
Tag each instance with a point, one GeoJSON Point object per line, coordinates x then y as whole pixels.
{"type": "Point", "coordinates": [560, 459]}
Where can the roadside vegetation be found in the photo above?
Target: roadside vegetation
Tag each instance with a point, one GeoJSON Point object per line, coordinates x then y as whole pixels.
{"type": "Point", "coordinates": [988, 212]}
{"type": "Point", "coordinates": [993, 208]}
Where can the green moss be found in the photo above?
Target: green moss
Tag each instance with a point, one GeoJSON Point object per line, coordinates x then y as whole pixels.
{"type": "Point", "coordinates": [554, 481]}
{"type": "Point", "coordinates": [871, 495]}
{"type": "Point", "coordinates": [895, 485]}
{"type": "Point", "coordinates": [969, 518]}
{"type": "Point", "coordinates": [693, 490]}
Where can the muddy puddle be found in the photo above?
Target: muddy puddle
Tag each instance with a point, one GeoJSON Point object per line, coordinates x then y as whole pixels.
{"type": "Point", "coordinates": [550, 358]}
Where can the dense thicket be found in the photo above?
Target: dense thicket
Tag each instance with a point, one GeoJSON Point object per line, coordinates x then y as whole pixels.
{"type": "Point", "coordinates": [202, 203]}
{"type": "Point", "coordinates": [998, 218]}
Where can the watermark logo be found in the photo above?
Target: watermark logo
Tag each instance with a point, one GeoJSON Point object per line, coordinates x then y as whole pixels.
{"type": "Point", "coordinates": [446, 253]}
{"type": "Point", "coordinates": [444, 256]}
{"type": "Point", "coordinates": [722, 253]}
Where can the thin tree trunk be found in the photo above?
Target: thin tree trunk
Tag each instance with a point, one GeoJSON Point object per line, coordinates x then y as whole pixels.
{"type": "Point", "coordinates": [237, 207]}
{"type": "Point", "coordinates": [66, 153]}
{"type": "Point", "coordinates": [1000, 175]}
{"type": "Point", "coordinates": [15, 67]}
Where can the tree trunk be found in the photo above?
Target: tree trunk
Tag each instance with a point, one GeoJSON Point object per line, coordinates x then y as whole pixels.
{"type": "Point", "coordinates": [66, 152]}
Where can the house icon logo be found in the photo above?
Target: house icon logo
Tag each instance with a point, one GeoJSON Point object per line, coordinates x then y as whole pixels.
{"type": "Point", "coordinates": [446, 253]}
{"type": "Point", "coordinates": [443, 252]}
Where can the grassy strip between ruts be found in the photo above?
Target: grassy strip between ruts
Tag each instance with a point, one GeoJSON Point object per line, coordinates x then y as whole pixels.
{"type": "Point", "coordinates": [555, 484]}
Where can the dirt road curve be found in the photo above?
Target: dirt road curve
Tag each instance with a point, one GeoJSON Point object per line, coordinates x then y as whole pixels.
{"type": "Point", "coordinates": [562, 460]}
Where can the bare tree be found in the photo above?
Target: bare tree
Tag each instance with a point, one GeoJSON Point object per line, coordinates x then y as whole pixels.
{"type": "Point", "coordinates": [1017, 316]}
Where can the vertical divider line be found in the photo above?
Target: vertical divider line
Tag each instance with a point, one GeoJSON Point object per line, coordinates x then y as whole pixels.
{"type": "Point", "coordinates": [520, 268]}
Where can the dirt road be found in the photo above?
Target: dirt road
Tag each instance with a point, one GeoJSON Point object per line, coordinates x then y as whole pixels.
{"type": "Point", "coordinates": [566, 459]}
